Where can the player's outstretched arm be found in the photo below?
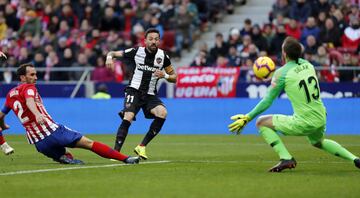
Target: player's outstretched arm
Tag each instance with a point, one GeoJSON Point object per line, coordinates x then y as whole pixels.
{"type": "Point", "coordinates": [110, 58]}
{"type": "Point", "coordinates": [30, 103]}
{"type": "Point", "coordinates": [240, 121]}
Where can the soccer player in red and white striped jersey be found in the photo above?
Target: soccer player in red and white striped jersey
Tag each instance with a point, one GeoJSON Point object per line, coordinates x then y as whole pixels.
{"type": "Point", "coordinates": [49, 137]}
{"type": "Point", "coordinates": [23, 98]}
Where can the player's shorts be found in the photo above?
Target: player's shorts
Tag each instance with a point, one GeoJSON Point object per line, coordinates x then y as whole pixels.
{"type": "Point", "coordinates": [135, 100]}
{"type": "Point", "coordinates": [53, 146]}
{"type": "Point", "coordinates": [291, 126]}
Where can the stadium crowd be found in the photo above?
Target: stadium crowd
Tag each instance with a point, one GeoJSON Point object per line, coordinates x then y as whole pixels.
{"type": "Point", "coordinates": [329, 31]}
{"type": "Point", "coordinates": [78, 33]}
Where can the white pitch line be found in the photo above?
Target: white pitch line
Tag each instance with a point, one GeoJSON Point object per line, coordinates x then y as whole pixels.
{"type": "Point", "coordinates": [76, 167]}
{"type": "Point", "coordinates": [263, 161]}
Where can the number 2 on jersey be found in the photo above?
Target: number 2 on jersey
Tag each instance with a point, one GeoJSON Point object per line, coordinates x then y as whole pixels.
{"type": "Point", "coordinates": [17, 106]}
{"type": "Point", "coordinates": [316, 94]}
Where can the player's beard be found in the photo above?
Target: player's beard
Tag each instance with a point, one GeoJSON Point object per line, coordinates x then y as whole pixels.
{"type": "Point", "coordinates": [152, 48]}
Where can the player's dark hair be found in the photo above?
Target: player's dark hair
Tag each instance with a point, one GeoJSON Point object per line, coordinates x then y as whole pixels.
{"type": "Point", "coordinates": [151, 30]}
{"type": "Point", "coordinates": [22, 69]}
{"type": "Point", "coordinates": [292, 48]}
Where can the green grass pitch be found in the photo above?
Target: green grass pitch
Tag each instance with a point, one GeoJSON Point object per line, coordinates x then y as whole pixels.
{"type": "Point", "coordinates": [184, 166]}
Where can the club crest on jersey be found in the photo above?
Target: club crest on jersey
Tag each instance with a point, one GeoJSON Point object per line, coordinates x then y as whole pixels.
{"type": "Point", "coordinates": [158, 60]}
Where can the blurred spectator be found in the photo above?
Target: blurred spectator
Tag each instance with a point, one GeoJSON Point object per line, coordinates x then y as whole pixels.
{"type": "Point", "coordinates": [67, 59]}
{"type": "Point", "coordinates": [64, 30]}
{"type": "Point", "coordinates": [351, 36]}
{"type": "Point", "coordinates": [348, 75]}
{"type": "Point", "coordinates": [300, 10]}
{"type": "Point", "coordinates": [311, 45]}
{"type": "Point", "coordinates": [221, 61]}
{"type": "Point", "coordinates": [318, 6]}
{"type": "Point", "coordinates": [246, 30]}
{"type": "Point", "coordinates": [36, 46]}
{"type": "Point", "coordinates": [32, 24]}
{"type": "Point", "coordinates": [330, 35]}
{"type": "Point", "coordinates": [339, 20]}
{"type": "Point", "coordinates": [3, 27]}
{"type": "Point", "coordinates": [321, 18]}
{"type": "Point", "coordinates": [10, 16]}
{"type": "Point", "coordinates": [51, 61]}
{"type": "Point", "coordinates": [216, 8]}
{"type": "Point", "coordinates": [247, 47]}
{"type": "Point", "coordinates": [167, 13]}
{"type": "Point", "coordinates": [201, 59]}
{"type": "Point", "coordinates": [280, 20]}
{"type": "Point", "coordinates": [7, 75]}
{"type": "Point", "coordinates": [101, 92]}
{"type": "Point", "coordinates": [233, 57]}
{"type": "Point", "coordinates": [275, 47]}
{"type": "Point", "coordinates": [155, 23]}
{"type": "Point", "coordinates": [110, 21]}
{"type": "Point", "coordinates": [310, 29]}
{"type": "Point", "coordinates": [54, 24]}
{"type": "Point", "coordinates": [39, 62]}
{"type": "Point", "coordinates": [82, 61]}
{"type": "Point", "coordinates": [192, 10]}
{"type": "Point", "coordinates": [321, 58]}
{"type": "Point", "coordinates": [24, 56]}
{"type": "Point", "coordinates": [91, 16]}
{"type": "Point", "coordinates": [247, 74]}
{"type": "Point", "coordinates": [268, 33]}
{"type": "Point", "coordinates": [235, 39]}
{"type": "Point", "coordinates": [183, 34]}
{"type": "Point", "coordinates": [280, 7]}
{"type": "Point", "coordinates": [69, 16]}
{"type": "Point", "coordinates": [354, 13]}
{"type": "Point", "coordinates": [220, 48]}
{"type": "Point", "coordinates": [101, 73]}
{"type": "Point", "coordinates": [293, 29]}
{"type": "Point", "coordinates": [258, 39]}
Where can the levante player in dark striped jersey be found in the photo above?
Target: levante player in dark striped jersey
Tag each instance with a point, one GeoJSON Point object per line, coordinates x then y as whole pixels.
{"type": "Point", "coordinates": [150, 64]}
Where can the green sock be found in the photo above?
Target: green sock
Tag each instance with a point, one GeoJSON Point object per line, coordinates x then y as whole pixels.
{"type": "Point", "coordinates": [275, 142]}
{"type": "Point", "coordinates": [336, 149]}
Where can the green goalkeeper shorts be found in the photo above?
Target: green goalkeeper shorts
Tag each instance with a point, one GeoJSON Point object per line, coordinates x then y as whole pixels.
{"type": "Point", "coordinates": [291, 126]}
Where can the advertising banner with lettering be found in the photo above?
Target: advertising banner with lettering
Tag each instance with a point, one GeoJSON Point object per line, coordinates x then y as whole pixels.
{"type": "Point", "coordinates": [206, 82]}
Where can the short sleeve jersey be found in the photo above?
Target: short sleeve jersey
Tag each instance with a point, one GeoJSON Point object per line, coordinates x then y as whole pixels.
{"type": "Point", "coordinates": [145, 64]}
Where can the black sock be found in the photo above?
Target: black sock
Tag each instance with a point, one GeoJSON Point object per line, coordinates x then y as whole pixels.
{"type": "Point", "coordinates": [155, 128]}
{"type": "Point", "coordinates": [121, 134]}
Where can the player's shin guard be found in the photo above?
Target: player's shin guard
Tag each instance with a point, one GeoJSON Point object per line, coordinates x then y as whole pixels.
{"type": "Point", "coordinates": [121, 134]}
{"type": "Point", "coordinates": [105, 151]}
{"type": "Point", "coordinates": [275, 142]}
{"type": "Point", "coordinates": [336, 149]}
{"type": "Point", "coordinates": [155, 128]}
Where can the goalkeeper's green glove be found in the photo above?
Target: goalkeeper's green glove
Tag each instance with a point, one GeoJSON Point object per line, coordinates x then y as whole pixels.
{"type": "Point", "coordinates": [240, 120]}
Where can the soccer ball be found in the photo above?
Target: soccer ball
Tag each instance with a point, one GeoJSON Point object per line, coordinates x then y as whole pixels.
{"type": "Point", "coordinates": [264, 67]}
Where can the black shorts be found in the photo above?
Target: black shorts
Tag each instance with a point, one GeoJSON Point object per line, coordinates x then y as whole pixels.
{"type": "Point", "coordinates": [135, 100]}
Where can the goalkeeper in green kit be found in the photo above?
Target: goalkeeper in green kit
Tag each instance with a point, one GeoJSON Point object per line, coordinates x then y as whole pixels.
{"type": "Point", "coordinates": [298, 79]}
